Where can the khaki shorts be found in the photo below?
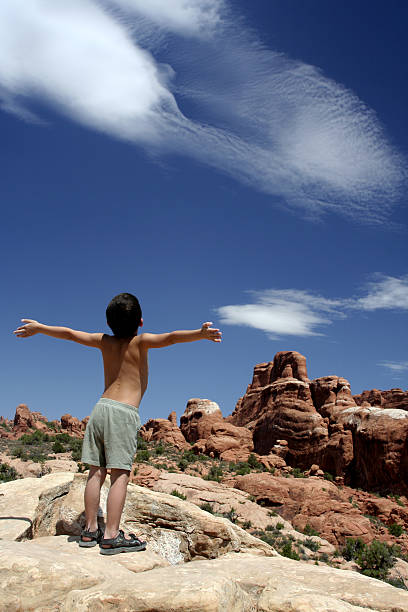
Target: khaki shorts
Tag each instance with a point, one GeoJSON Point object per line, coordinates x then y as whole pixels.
{"type": "Point", "coordinates": [110, 439]}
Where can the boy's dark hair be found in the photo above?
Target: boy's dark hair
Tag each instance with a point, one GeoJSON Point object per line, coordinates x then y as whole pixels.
{"type": "Point", "coordinates": [123, 315]}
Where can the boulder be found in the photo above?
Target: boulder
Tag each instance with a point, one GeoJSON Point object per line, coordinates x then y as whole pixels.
{"type": "Point", "coordinates": [164, 430]}
{"type": "Point", "coordinates": [72, 426]}
{"type": "Point", "coordinates": [177, 530]}
{"type": "Point", "coordinates": [19, 500]}
{"type": "Point", "coordinates": [198, 419]}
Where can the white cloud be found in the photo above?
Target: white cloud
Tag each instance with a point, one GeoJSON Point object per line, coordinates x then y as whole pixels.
{"type": "Point", "coordinates": [276, 124]}
{"type": "Point", "coordinates": [284, 312]}
{"type": "Point", "coordinates": [293, 312]}
{"type": "Point", "coordinates": [395, 366]}
{"type": "Point", "coordinates": [191, 17]}
{"type": "Point", "coordinates": [386, 293]}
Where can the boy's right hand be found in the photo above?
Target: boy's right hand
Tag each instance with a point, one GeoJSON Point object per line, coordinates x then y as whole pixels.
{"type": "Point", "coordinates": [30, 328]}
{"type": "Point", "coordinates": [210, 333]}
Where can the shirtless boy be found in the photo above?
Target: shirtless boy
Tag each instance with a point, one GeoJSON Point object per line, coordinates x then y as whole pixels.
{"type": "Point", "coordinates": [111, 434]}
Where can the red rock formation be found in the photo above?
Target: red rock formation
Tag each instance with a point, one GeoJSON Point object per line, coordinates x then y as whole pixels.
{"type": "Point", "coordinates": [312, 501]}
{"type": "Point", "coordinates": [393, 398]}
{"type": "Point", "coordinates": [203, 423]}
{"type": "Point", "coordinates": [380, 447]}
{"type": "Point", "coordinates": [278, 404]}
{"type": "Point", "coordinates": [198, 419]}
{"type": "Point", "coordinates": [72, 425]}
{"type": "Point", "coordinates": [165, 430]}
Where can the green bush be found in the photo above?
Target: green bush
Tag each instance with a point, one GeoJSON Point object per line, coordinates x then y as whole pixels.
{"type": "Point", "coordinates": [352, 549]}
{"type": "Point", "coordinates": [19, 452]}
{"type": "Point", "coordinates": [159, 450]}
{"type": "Point", "coordinates": [242, 468]}
{"type": "Point", "coordinates": [231, 515]}
{"type": "Point", "coordinates": [51, 425]}
{"type": "Point", "coordinates": [57, 447]}
{"type": "Point", "coordinates": [5, 426]}
{"type": "Point", "coordinates": [207, 507]}
{"type": "Point", "coordinates": [36, 438]}
{"type": "Point", "coordinates": [37, 456]}
{"type": "Point", "coordinates": [328, 476]}
{"type": "Point", "coordinates": [376, 559]}
{"type": "Point", "coordinates": [75, 446]}
{"type": "Point", "coordinates": [246, 525]}
{"type": "Point", "coordinates": [287, 551]}
{"type": "Point", "coordinates": [182, 464]}
{"type": "Point", "coordinates": [395, 529]}
{"type": "Point", "coordinates": [253, 462]}
{"type": "Point", "coordinates": [141, 444]}
{"type": "Point", "coordinates": [82, 467]}
{"type": "Point", "coordinates": [142, 455]}
{"type": "Point", "coordinates": [63, 437]}
{"type": "Point", "coordinates": [178, 494]}
{"type": "Point", "coordinates": [312, 544]}
{"type": "Point", "coordinates": [397, 582]}
{"type": "Point", "coordinates": [7, 473]}
{"type": "Point", "coordinates": [280, 525]}
{"type": "Point", "coordinates": [297, 473]}
{"type": "Point", "coordinates": [215, 473]}
{"type": "Point", "coordinates": [308, 530]}
{"type": "Point", "coordinates": [189, 456]}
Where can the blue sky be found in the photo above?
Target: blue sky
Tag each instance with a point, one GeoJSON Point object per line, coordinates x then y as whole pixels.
{"type": "Point", "coordinates": [244, 163]}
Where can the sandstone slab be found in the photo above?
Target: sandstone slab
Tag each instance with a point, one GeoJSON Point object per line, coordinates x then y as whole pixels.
{"type": "Point", "coordinates": [19, 500]}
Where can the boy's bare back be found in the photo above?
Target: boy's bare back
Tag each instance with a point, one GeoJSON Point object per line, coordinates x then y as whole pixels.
{"type": "Point", "coordinates": [125, 359]}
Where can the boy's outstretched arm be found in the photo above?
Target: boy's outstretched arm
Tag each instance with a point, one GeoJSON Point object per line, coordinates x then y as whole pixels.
{"type": "Point", "coordinates": [206, 332]}
{"type": "Point", "coordinates": [32, 327]}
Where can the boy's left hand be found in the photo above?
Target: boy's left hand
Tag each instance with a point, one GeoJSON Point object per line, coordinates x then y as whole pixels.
{"type": "Point", "coordinates": [30, 328]}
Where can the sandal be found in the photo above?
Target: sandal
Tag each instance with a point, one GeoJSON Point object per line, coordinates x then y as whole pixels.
{"type": "Point", "coordinates": [121, 544]}
{"type": "Point", "coordinates": [95, 538]}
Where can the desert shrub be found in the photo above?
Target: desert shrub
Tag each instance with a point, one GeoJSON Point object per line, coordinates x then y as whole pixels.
{"type": "Point", "coordinates": [288, 551]}
{"type": "Point", "coordinates": [182, 464]}
{"type": "Point", "coordinates": [36, 438]}
{"type": "Point", "coordinates": [19, 452]}
{"type": "Point", "coordinates": [398, 583]}
{"type": "Point", "coordinates": [324, 557]}
{"type": "Point", "coordinates": [178, 494]}
{"type": "Point", "coordinates": [312, 544]}
{"type": "Point", "coordinates": [51, 425]}
{"type": "Point", "coordinates": [231, 515]}
{"type": "Point", "coordinates": [243, 468]}
{"type": "Point", "coordinates": [5, 426]}
{"type": "Point", "coordinates": [352, 548]}
{"type": "Point", "coordinates": [141, 444]}
{"type": "Point", "coordinates": [270, 528]}
{"type": "Point", "coordinates": [7, 473]}
{"type": "Point", "coordinates": [280, 525]}
{"type": "Point", "coordinates": [142, 455]}
{"type": "Point", "coordinates": [246, 525]}
{"type": "Point", "coordinates": [58, 447]}
{"type": "Point", "coordinates": [376, 559]}
{"type": "Point", "coordinates": [272, 513]}
{"type": "Point", "coordinates": [36, 455]}
{"type": "Point", "coordinates": [308, 530]}
{"type": "Point", "coordinates": [215, 473]}
{"type": "Point", "coordinates": [297, 473]}
{"type": "Point", "coordinates": [63, 437]}
{"type": "Point", "coordinates": [207, 507]}
{"type": "Point", "coordinates": [328, 476]}
{"type": "Point", "coordinates": [395, 529]}
{"type": "Point", "coordinates": [75, 446]}
{"type": "Point", "coordinates": [189, 456]}
{"type": "Point", "coordinates": [159, 450]}
{"type": "Point", "coordinates": [253, 462]}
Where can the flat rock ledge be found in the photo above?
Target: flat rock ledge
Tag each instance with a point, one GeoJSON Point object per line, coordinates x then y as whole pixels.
{"type": "Point", "coordinates": [53, 574]}
{"type": "Point", "coordinates": [231, 570]}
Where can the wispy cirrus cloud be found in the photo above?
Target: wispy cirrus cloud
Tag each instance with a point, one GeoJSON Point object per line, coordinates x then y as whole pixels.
{"type": "Point", "coordinates": [291, 312]}
{"type": "Point", "coordinates": [396, 366]}
{"type": "Point", "coordinates": [125, 67]}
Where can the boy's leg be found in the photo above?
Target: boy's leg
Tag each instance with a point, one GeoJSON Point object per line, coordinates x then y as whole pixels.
{"type": "Point", "coordinates": [116, 501]}
{"type": "Point", "coordinates": [92, 493]}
